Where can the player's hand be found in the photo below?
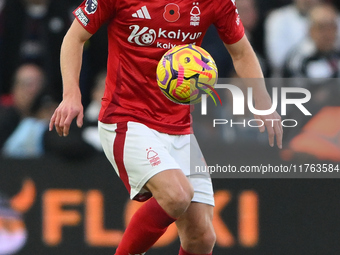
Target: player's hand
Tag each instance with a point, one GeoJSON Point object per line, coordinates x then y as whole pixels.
{"type": "Point", "coordinates": [62, 117]}
{"type": "Point", "coordinates": [272, 122]}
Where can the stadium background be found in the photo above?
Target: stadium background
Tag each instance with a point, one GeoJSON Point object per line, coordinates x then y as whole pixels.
{"type": "Point", "coordinates": [68, 208]}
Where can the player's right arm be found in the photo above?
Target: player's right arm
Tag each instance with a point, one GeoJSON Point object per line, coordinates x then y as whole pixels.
{"type": "Point", "coordinates": [70, 63]}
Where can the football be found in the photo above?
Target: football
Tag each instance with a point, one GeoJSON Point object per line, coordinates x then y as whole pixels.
{"type": "Point", "coordinates": [185, 72]}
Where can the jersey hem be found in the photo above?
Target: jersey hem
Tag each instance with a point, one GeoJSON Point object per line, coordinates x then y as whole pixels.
{"type": "Point", "coordinates": [237, 39]}
{"type": "Point", "coordinates": [166, 128]}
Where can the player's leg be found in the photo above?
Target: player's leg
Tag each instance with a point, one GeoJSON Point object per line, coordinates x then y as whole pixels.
{"type": "Point", "coordinates": [195, 225]}
{"type": "Point", "coordinates": [140, 157]}
{"type": "Point", "coordinates": [195, 230]}
{"type": "Point", "coordinates": [172, 194]}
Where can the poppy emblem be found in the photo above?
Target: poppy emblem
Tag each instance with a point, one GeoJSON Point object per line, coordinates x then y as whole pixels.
{"type": "Point", "coordinates": [171, 12]}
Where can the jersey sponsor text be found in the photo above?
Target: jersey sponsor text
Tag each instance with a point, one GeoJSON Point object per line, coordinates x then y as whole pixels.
{"type": "Point", "coordinates": [147, 36]}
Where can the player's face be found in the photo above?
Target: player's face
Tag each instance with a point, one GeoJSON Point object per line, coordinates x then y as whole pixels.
{"type": "Point", "coordinates": [324, 29]}
{"type": "Point", "coordinates": [28, 83]}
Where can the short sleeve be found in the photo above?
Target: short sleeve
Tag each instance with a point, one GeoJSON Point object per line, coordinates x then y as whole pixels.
{"type": "Point", "coordinates": [91, 14]}
{"type": "Point", "coordinates": [228, 22]}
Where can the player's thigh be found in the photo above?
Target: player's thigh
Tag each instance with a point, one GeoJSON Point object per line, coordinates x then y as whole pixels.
{"type": "Point", "coordinates": [169, 181]}
{"type": "Point", "coordinates": [136, 152]}
{"type": "Point", "coordinates": [172, 190]}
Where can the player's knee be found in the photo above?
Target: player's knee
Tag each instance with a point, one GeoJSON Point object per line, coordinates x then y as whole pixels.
{"type": "Point", "coordinates": [203, 241]}
{"type": "Point", "coordinates": [177, 201]}
{"type": "Point", "coordinates": [209, 239]}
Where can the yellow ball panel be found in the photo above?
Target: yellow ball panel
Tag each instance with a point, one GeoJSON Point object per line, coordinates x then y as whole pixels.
{"type": "Point", "coordinates": [186, 72]}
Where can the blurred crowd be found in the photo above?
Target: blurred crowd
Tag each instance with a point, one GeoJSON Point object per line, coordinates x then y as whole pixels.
{"type": "Point", "coordinates": [31, 33]}
{"type": "Point", "coordinates": [292, 38]}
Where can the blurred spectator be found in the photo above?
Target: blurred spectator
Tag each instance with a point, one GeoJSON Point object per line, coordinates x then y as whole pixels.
{"type": "Point", "coordinates": [27, 139]}
{"type": "Point", "coordinates": [33, 31]}
{"type": "Point", "coordinates": [315, 65]}
{"type": "Point", "coordinates": [32, 139]}
{"type": "Point", "coordinates": [320, 56]}
{"type": "Point", "coordinates": [284, 28]}
{"type": "Point", "coordinates": [28, 83]}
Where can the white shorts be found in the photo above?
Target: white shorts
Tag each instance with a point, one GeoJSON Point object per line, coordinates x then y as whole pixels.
{"type": "Point", "coordinates": [138, 152]}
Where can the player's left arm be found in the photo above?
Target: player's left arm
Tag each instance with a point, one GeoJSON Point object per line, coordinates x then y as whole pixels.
{"type": "Point", "coordinates": [247, 66]}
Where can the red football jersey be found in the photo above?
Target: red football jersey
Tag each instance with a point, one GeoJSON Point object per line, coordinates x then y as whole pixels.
{"type": "Point", "coordinates": [139, 33]}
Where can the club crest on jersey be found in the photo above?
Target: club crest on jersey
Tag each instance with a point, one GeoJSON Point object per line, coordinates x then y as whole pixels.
{"type": "Point", "coordinates": [195, 15]}
{"type": "Point", "coordinates": [91, 6]}
{"type": "Point", "coordinates": [171, 12]}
